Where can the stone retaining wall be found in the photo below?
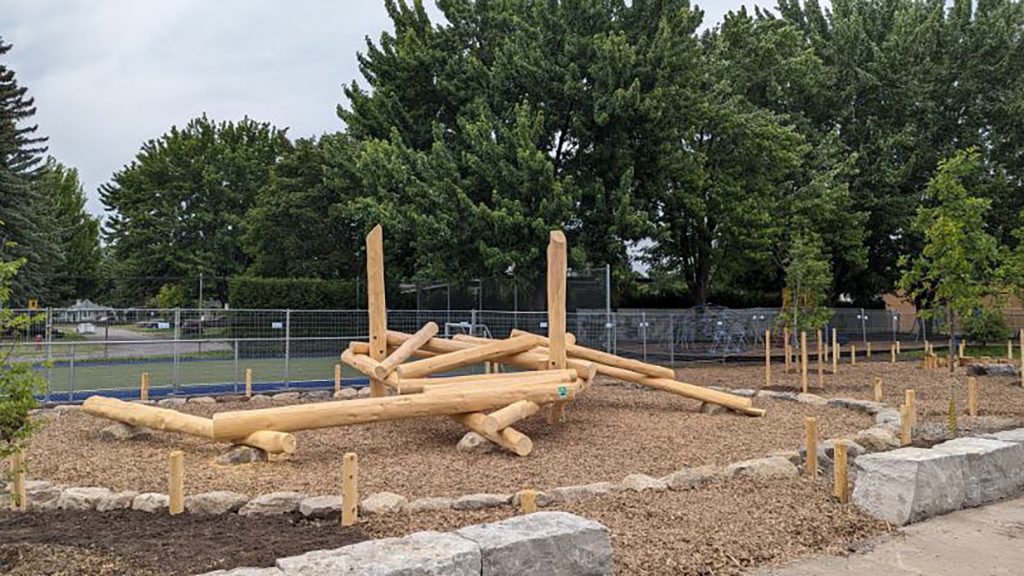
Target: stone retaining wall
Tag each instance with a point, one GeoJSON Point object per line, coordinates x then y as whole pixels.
{"type": "Point", "coordinates": [550, 543]}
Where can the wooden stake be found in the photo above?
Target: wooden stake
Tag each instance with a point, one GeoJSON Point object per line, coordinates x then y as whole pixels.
{"type": "Point", "coordinates": [821, 361]}
{"type": "Point", "coordinates": [869, 349]}
{"type": "Point", "coordinates": [144, 387]}
{"type": "Point", "coordinates": [337, 378]}
{"type": "Point", "coordinates": [839, 469]}
{"type": "Point", "coordinates": [19, 493]}
{"type": "Point", "coordinates": [767, 358]}
{"type": "Point", "coordinates": [349, 489]}
{"type": "Point", "coordinates": [557, 359]}
{"type": "Point", "coordinates": [853, 355]}
{"type": "Point", "coordinates": [811, 446]}
{"type": "Point", "coordinates": [910, 399]}
{"type": "Point", "coordinates": [176, 487]}
{"type": "Point", "coordinates": [972, 396]}
{"type": "Point", "coordinates": [897, 347]}
{"type": "Point", "coordinates": [892, 350]}
{"type": "Point", "coordinates": [878, 389]}
{"type": "Point", "coordinates": [906, 428]}
{"type": "Point", "coordinates": [376, 305]}
{"type": "Point", "coordinates": [803, 360]}
{"type": "Point", "coordinates": [1009, 350]}
{"type": "Point", "coordinates": [962, 348]}
{"type": "Point", "coordinates": [785, 349]}
{"type": "Point", "coordinates": [1021, 357]}
{"type": "Point", "coordinates": [248, 382]}
{"type": "Point", "coordinates": [835, 351]}
{"type": "Point", "coordinates": [528, 501]}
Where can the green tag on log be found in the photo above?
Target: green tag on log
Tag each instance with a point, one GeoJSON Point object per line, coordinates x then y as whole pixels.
{"type": "Point", "coordinates": [563, 391]}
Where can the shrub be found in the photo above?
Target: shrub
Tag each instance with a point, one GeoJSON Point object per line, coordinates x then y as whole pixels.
{"type": "Point", "coordinates": [986, 325]}
{"type": "Point", "coordinates": [251, 292]}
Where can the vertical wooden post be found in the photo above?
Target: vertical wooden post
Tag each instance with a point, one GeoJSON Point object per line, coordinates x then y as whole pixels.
{"type": "Point", "coordinates": [176, 483]}
{"type": "Point", "coordinates": [337, 378]}
{"type": "Point", "coordinates": [878, 389]}
{"type": "Point", "coordinates": [835, 351]}
{"type": "Point", "coordinates": [1021, 370]}
{"type": "Point", "coordinates": [910, 399]}
{"type": "Point", "coordinates": [868, 351]}
{"type": "Point", "coordinates": [842, 486]}
{"type": "Point", "coordinates": [19, 493]}
{"type": "Point", "coordinates": [1009, 350]}
{"type": "Point", "coordinates": [811, 446]}
{"type": "Point", "coordinates": [892, 350]}
{"type": "Point", "coordinates": [853, 355]}
{"type": "Point", "coordinates": [349, 489]}
{"type": "Point", "coordinates": [248, 382]}
{"type": "Point", "coordinates": [972, 396]}
{"type": "Point", "coordinates": [803, 360]}
{"type": "Point", "coordinates": [898, 351]}
{"type": "Point", "coordinates": [557, 360]}
{"type": "Point", "coordinates": [376, 305]}
{"type": "Point", "coordinates": [821, 361]}
{"type": "Point", "coordinates": [962, 348]}
{"type": "Point", "coordinates": [785, 349]}
{"type": "Point", "coordinates": [528, 501]}
{"type": "Point", "coordinates": [767, 358]}
{"type": "Point", "coordinates": [144, 387]}
{"type": "Point", "coordinates": [906, 428]}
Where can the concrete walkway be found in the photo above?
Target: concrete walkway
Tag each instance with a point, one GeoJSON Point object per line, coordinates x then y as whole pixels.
{"type": "Point", "coordinates": [977, 542]}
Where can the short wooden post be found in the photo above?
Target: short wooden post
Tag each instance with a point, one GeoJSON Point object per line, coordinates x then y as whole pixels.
{"type": "Point", "coordinates": [910, 399]}
{"type": "Point", "coordinates": [376, 305]}
{"type": "Point", "coordinates": [767, 358]}
{"type": "Point", "coordinates": [349, 489]}
{"type": "Point", "coordinates": [785, 349]}
{"type": "Point", "coordinates": [898, 351]}
{"type": "Point", "coordinates": [248, 382]}
{"type": "Point", "coordinates": [853, 355]}
{"type": "Point", "coordinates": [176, 484]}
{"type": "Point", "coordinates": [878, 389]}
{"type": "Point", "coordinates": [803, 360]}
{"type": "Point", "coordinates": [906, 428]}
{"type": "Point", "coordinates": [842, 487]}
{"type": "Point", "coordinates": [1021, 357]}
{"type": "Point", "coordinates": [972, 396]}
{"type": "Point", "coordinates": [19, 493]}
{"type": "Point", "coordinates": [962, 347]}
{"type": "Point", "coordinates": [811, 446]}
{"type": "Point", "coordinates": [868, 351]}
{"type": "Point", "coordinates": [144, 387]}
{"type": "Point", "coordinates": [528, 501]}
{"type": "Point", "coordinates": [1009, 350]}
{"type": "Point", "coordinates": [821, 361]}
{"type": "Point", "coordinates": [892, 350]}
{"type": "Point", "coordinates": [835, 351]}
{"type": "Point", "coordinates": [337, 378]}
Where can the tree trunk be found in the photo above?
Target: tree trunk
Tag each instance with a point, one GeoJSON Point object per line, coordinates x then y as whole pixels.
{"type": "Point", "coordinates": [949, 320]}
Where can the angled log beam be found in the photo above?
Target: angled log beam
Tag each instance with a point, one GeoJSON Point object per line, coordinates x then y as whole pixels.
{"type": "Point", "coordinates": [461, 358]}
{"type": "Point", "coordinates": [509, 415]}
{"type": "Point", "coordinates": [406, 350]}
{"type": "Point", "coordinates": [367, 366]}
{"type": "Point", "coordinates": [582, 352]}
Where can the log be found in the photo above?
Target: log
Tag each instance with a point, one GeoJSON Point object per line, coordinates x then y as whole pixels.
{"type": "Point", "coordinates": [509, 415]}
{"type": "Point", "coordinates": [421, 337]}
{"type": "Point", "coordinates": [425, 384]}
{"type": "Point", "coordinates": [228, 426]}
{"type": "Point", "coordinates": [176, 483]}
{"type": "Point", "coordinates": [376, 306]}
{"type": "Point", "coordinates": [349, 489]}
{"type": "Point", "coordinates": [367, 366]}
{"type": "Point", "coordinates": [509, 438]}
{"type": "Point", "coordinates": [557, 359]}
{"type": "Point", "coordinates": [173, 421]}
{"type": "Point", "coordinates": [584, 353]}
{"type": "Point", "coordinates": [462, 358]}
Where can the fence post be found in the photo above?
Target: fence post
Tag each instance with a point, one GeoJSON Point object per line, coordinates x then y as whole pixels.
{"type": "Point", "coordinates": [71, 376]}
{"type": "Point", "coordinates": [863, 326]}
{"type": "Point", "coordinates": [236, 366]}
{"type": "Point", "coordinates": [177, 337]}
{"type": "Point", "coordinates": [49, 351]}
{"type": "Point", "coordinates": [287, 346]}
{"type": "Point", "coordinates": [671, 339]}
{"type": "Point", "coordinates": [643, 332]}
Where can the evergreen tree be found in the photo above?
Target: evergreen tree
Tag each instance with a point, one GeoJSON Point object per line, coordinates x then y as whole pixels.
{"type": "Point", "coordinates": [76, 232]}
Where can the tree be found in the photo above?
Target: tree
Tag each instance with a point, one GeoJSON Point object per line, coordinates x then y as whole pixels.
{"type": "Point", "coordinates": [957, 267]}
{"type": "Point", "coordinates": [23, 206]}
{"type": "Point", "coordinates": [808, 282]}
{"type": "Point", "coordinates": [76, 234]}
{"type": "Point", "coordinates": [178, 210]}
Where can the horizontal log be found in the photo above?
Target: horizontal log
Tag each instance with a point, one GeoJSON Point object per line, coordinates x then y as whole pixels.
{"type": "Point", "coordinates": [509, 415]}
{"type": "Point", "coordinates": [509, 438]}
{"type": "Point", "coordinates": [424, 384]}
{"type": "Point", "coordinates": [525, 378]}
{"type": "Point", "coordinates": [271, 442]}
{"type": "Point", "coordinates": [462, 358]}
{"type": "Point", "coordinates": [403, 352]}
{"type": "Point", "coordinates": [582, 352]}
{"type": "Point", "coordinates": [731, 401]}
{"type": "Point", "coordinates": [229, 426]}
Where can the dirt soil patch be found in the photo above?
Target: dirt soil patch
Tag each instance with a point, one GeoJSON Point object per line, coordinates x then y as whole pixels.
{"type": "Point", "coordinates": [1000, 398]}
{"type": "Point", "coordinates": [719, 529]}
{"type": "Point", "coordinates": [612, 431]}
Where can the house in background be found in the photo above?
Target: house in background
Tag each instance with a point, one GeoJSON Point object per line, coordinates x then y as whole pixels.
{"type": "Point", "coordinates": [82, 311]}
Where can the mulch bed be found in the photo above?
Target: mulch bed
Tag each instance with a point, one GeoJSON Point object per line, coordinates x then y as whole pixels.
{"type": "Point", "coordinates": [720, 529]}
{"type": "Point", "coordinates": [612, 431]}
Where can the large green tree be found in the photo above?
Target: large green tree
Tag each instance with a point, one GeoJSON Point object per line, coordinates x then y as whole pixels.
{"type": "Point", "coordinates": [76, 234]}
{"type": "Point", "coordinates": [179, 209]}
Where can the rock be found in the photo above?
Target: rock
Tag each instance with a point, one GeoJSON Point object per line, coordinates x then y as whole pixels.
{"type": "Point", "coordinates": [583, 491]}
{"type": "Point", "coordinates": [320, 507]}
{"type": "Point", "coordinates": [151, 502]}
{"type": "Point", "coordinates": [382, 503]}
{"type": "Point", "coordinates": [690, 478]}
{"type": "Point", "coordinates": [260, 398]}
{"type": "Point", "coordinates": [246, 572]}
{"type": "Point", "coordinates": [542, 499]}
{"type": "Point", "coordinates": [64, 408]}
{"type": "Point", "coordinates": [202, 400]}
{"type": "Point", "coordinates": [877, 439]}
{"type": "Point", "coordinates": [745, 392]}
{"type": "Point", "coordinates": [117, 501]}
{"type": "Point", "coordinates": [418, 554]}
{"type": "Point", "coordinates": [429, 504]}
{"type": "Point", "coordinates": [171, 402]}
{"type": "Point", "coordinates": [909, 484]}
{"type": "Point", "coordinates": [1015, 436]}
{"type": "Point", "coordinates": [220, 502]}
{"type": "Point", "coordinates": [550, 543]}
{"type": "Point", "coordinates": [473, 443]}
{"type": "Point", "coordinates": [346, 394]}
{"type": "Point", "coordinates": [992, 370]}
{"type": "Point", "coordinates": [931, 432]}
{"type": "Point", "coordinates": [776, 395]}
{"type": "Point", "coordinates": [865, 406]}
{"type": "Point", "coordinates": [317, 394]}
{"type": "Point", "coordinates": [889, 418]}
{"type": "Point", "coordinates": [363, 392]}
{"type": "Point", "coordinates": [762, 468]}
{"type": "Point", "coordinates": [241, 455]}
{"type": "Point", "coordinates": [853, 449]}
{"type": "Point", "coordinates": [124, 432]}
{"type": "Point", "coordinates": [287, 396]}
{"type": "Point", "coordinates": [712, 409]}
{"type": "Point", "coordinates": [811, 399]}
{"type": "Point", "coordinates": [643, 483]}
{"type": "Point", "coordinates": [82, 498]}
{"type": "Point", "coordinates": [272, 504]}
{"type": "Point", "coordinates": [481, 501]}
{"type": "Point", "coordinates": [228, 398]}
{"type": "Point", "coordinates": [992, 469]}
{"type": "Point", "coordinates": [42, 495]}
{"type": "Point", "coordinates": [794, 456]}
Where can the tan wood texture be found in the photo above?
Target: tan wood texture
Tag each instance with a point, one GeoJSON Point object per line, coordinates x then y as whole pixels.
{"type": "Point", "coordinates": [349, 489]}
{"type": "Point", "coordinates": [376, 305]}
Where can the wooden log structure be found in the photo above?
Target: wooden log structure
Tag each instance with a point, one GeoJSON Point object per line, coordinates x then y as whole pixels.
{"type": "Point", "coordinates": [376, 306]}
{"type": "Point", "coordinates": [508, 438]}
{"type": "Point", "coordinates": [229, 426]}
{"type": "Point", "coordinates": [440, 382]}
{"type": "Point", "coordinates": [405, 351]}
{"type": "Point", "coordinates": [461, 358]}
{"type": "Point", "coordinates": [556, 280]}
{"type": "Point", "coordinates": [584, 353]}
{"type": "Point", "coordinates": [173, 421]}
{"type": "Point", "coordinates": [509, 415]}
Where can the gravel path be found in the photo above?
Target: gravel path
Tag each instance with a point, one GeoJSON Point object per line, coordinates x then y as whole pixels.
{"type": "Point", "coordinates": [612, 431]}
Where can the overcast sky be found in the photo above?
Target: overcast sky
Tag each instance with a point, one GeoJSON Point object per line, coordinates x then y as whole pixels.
{"type": "Point", "coordinates": [107, 75]}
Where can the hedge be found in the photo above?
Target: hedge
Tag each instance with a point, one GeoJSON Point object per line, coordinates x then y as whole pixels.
{"type": "Point", "coordinates": [251, 292]}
